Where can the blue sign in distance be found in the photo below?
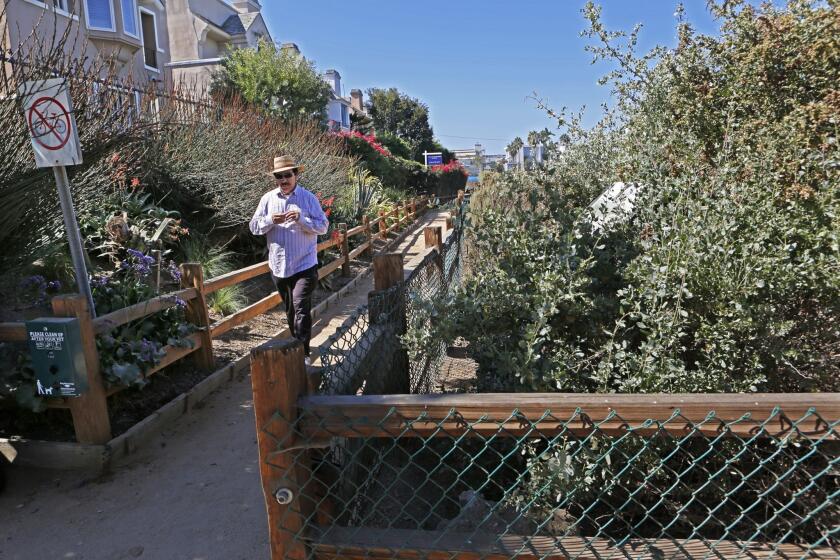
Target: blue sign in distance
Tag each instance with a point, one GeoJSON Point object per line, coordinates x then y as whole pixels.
{"type": "Point", "coordinates": [434, 159]}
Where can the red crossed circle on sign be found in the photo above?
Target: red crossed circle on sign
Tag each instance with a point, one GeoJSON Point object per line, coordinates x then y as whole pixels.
{"type": "Point", "coordinates": [49, 123]}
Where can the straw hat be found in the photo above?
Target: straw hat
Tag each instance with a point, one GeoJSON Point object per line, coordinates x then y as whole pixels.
{"type": "Point", "coordinates": [284, 163]}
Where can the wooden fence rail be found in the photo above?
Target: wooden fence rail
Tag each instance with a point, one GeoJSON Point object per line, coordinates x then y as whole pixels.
{"type": "Point", "coordinates": [93, 427]}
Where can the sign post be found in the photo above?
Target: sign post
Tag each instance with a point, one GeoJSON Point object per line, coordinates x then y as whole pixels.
{"type": "Point", "coordinates": [49, 117]}
{"type": "Point", "coordinates": [433, 158]}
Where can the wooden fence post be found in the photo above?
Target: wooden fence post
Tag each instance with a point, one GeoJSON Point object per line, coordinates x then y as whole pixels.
{"type": "Point", "coordinates": [387, 273]}
{"type": "Point", "coordinates": [90, 411]}
{"type": "Point", "coordinates": [450, 223]}
{"type": "Point", "coordinates": [387, 270]}
{"type": "Point", "coordinates": [383, 228]}
{"type": "Point", "coordinates": [460, 198]}
{"type": "Point", "coordinates": [396, 213]}
{"type": "Point", "coordinates": [368, 236]}
{"type": "Point", "coordinates": [434, 238]}
{"type": "Point", "coordinates": [345, 250]}
{"type": "Point", "coordinates": [278, 379]}
{"type": "Point", "coordinates": [192, 276]}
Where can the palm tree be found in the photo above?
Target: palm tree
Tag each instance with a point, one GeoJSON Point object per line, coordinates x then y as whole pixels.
{"type": "Point", "coordinates": [534, 139]}
{"type": "Point", "coordinates": [514, 147]}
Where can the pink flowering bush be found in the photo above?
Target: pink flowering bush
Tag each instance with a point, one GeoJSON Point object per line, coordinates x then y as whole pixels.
{"type": "Point", "coordinates": [369, 138]}
{"type": "Point", "coordinates": [451, 167]}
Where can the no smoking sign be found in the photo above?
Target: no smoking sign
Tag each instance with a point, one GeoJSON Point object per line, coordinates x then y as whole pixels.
{"type": "Point", "coordinates": [49, 117]}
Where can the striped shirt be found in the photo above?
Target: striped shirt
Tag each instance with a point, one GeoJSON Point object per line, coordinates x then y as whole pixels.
{"type": "Point", "coordinates": [291, 247]}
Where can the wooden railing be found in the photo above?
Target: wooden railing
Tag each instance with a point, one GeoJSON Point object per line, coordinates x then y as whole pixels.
{"type": "Point", "coordinates": [90, 414]}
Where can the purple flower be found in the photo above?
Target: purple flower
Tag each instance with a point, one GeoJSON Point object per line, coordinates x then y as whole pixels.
{"type": "Point", "coordinates": [33, 281]}
{"type": "Point", "coordinates": [147, 350]}
{"type": "Point", "coordinates": [54, 286]}
{"type": "Point", "coordinates": [174, 271]}
{"type": "Point", "coordinates": [180, 303]}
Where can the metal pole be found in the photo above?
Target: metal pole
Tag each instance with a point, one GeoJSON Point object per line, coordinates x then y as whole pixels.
{"type": "Point", "coordinates": [73, 236]}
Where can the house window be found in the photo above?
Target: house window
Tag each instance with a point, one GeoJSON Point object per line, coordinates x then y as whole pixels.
{"type": "Point", "coordinates": [148, 27]}
{"type": "Point", "coordinates": [129, 17]}
{"type": "Point", "coordinates": [100, 15]}
{"type": "Point", "coordinates": [345, 117]}
{"type": "Point", "coordinates": [64, 5]}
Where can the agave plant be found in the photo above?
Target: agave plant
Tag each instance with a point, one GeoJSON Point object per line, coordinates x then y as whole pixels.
{"type": "Point", "coordinates": [365, 191]}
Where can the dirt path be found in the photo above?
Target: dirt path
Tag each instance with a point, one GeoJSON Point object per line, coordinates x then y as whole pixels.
{"type": "Point", "coordinates": [193, 494]}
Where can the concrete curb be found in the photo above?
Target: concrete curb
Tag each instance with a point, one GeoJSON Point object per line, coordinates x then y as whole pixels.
{"type": "Point", "coordinates": [76, 456]}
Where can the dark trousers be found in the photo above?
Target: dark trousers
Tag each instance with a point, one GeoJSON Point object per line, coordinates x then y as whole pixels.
{"type": "Point", "coordinates": [296, 291]}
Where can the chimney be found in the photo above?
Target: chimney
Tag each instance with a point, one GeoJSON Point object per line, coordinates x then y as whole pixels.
{"type": "Point", "coordinates": [247, 6]}
{"type": "Point", "coordinates": [333, 78]}
{"type": "Point", "coordinates": [290, 48]}
{"type": "Point", "coordinates": [357, 101]}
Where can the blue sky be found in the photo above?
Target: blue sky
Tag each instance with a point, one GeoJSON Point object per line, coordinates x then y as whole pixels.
{"type": "Point", "coordinates": [473, 62]}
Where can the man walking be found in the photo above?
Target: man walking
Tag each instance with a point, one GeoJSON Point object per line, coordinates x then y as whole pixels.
{"type": "Point", "coordinates": [291, 218]}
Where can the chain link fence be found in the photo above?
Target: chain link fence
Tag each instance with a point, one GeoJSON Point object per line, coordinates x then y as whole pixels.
{"type": "Point", "coordinates": [365, 355]}
{"type": "Point", "coordinates": [565, 476]}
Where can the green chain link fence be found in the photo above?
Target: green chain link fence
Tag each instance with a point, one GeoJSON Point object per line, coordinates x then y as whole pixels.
{"type": "Point", "coordinates": [566, 476]}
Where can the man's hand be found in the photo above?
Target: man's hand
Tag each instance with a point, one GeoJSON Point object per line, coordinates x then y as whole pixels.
{"type": "Point", "coordinates": [278, 218]}
{"type": "Point", "coordinates": [293, 216]}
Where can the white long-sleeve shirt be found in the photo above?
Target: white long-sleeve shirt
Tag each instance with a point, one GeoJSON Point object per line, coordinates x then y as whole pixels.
{"type": "Point", "coordinates": [291, 247]}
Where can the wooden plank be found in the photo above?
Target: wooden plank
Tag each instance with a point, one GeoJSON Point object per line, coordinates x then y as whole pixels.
{"type": "Point", "coordinates": [278, 378]}
{"type": "Point", "coordinates": [175, 353]}
{"type": "Point", "coordinates": [331, 242]}
{"type": "Point", "coordinates": [90, 410]}
{"type": "Point", "coordinates": [356, 230]}
{"type": "Point", "coordinates": [359, 250]}
{"type": "Point", "coordinates": [235, 277]}
{"type": "Point", "coordinates": [13, 332]}
{"type": "Point", "coordinates": [552, 413]}
{"type": "Point", "coordinates": [369, 543]}
{"type": "Point", "coordinates": [254, 310]}
{"type": "Point", "coordinates": [109, 322]}
{"type": "Point", "coordinates": [329, 268]}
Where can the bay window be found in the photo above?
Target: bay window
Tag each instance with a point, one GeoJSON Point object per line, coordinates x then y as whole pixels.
{"type": "Point", "coordinates": [99, 15]}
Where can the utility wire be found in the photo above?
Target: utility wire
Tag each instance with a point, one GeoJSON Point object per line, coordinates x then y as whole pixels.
{"type": "Point", "coordinates": [469, 137]}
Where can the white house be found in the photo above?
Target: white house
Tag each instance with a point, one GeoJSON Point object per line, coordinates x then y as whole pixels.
{"type": "Point", "coordinates": [339, 107]}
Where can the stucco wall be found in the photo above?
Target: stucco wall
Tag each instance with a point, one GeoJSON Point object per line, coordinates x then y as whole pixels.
{"type": "Point", "coordinates": [193, 77]}
{"type": "Point", "coordinates": [23, 17]}
{"type": "Point", "coordinates": [184, 36]}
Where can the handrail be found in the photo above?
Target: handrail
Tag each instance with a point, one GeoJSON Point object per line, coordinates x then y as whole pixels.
{"type": "Point", "coordinates": [811, 415]}
{"type": "Point", "coordinates": [235, 277]}
{"type": "Point", "coordinates": [109, 322]}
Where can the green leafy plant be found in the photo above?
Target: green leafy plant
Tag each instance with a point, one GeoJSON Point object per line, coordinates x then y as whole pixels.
{"type": "Point", "coordinates": [280, 82]}
{"type": "Point", "coordinates": [723, 273]}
